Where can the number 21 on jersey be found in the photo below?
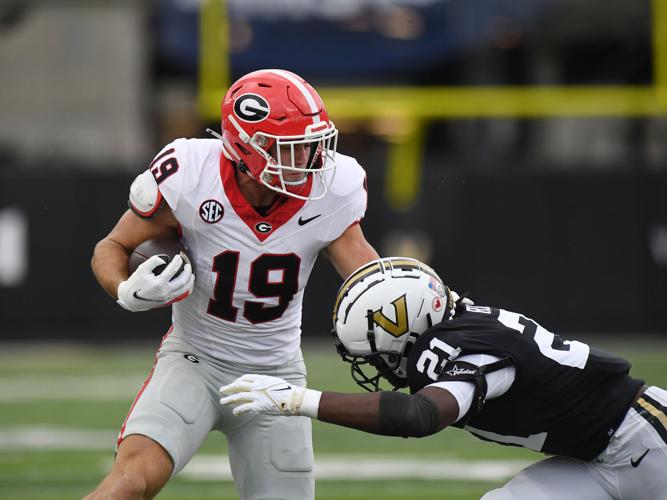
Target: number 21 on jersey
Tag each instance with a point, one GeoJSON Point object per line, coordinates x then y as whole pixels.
{"type": "Point", "coordinates": [563, 352]}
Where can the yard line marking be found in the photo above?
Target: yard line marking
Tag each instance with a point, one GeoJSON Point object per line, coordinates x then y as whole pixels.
{"type": "Point", "coordinates": [355, 467]}
{"type": "Point", "coordinates": [52, 438]}
{"type": "Point", "coordinates": [216, 467]}
{"type": "Point", "coordinates": [71, 388]}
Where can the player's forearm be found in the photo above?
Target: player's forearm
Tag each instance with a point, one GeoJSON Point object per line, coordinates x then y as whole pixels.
{"type": "Point", "coordinates": [109, 265]}
{"type": "Point", "coordinates": [350, 251]}
{"type": "Point", "coordinates": [357, 411]}
{"type": "Point", "coordinates": [386, 413]}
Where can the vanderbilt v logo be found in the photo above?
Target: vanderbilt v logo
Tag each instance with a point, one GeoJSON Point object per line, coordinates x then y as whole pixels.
{"type": "Point", "coordinates": [400, 326]}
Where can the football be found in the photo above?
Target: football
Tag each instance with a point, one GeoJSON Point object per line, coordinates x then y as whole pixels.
{"type": "Point", "coordinates": [168, 248]}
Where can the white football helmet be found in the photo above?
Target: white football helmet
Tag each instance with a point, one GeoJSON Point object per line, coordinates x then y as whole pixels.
{"type": "Point", "coordinates": [380, 311]}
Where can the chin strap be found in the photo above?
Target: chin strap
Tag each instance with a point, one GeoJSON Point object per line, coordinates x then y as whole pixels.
{"type": "Point", "coordinates": [237, 163]}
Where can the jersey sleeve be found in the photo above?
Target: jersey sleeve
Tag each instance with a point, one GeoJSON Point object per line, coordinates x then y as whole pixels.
{"type": "Point", "coordinates": [498, 382]}
{"type": "Point", "coordinates": [352, 202]}
{"type": "Point", "coordinates": [444, 343]}
{"type": "Point", "coordinates": [168, 169]}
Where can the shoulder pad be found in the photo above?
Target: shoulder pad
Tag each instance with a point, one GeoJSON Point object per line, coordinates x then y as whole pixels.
{"type": "Point", "coordinates": [145, 197]}
{"type": "Point", "coordinates": [349, 180]}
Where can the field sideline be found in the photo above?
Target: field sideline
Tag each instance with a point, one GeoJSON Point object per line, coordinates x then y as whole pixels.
{"type": "Point", "coordinates": [62, 405]}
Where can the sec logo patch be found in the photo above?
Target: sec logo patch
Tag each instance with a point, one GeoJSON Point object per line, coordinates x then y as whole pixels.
{"type": "Point", "coordinates": [211, 211]}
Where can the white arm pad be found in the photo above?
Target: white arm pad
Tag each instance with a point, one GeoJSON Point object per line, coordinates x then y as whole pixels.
{"type": "Point", "coordinates": [145, 197]}
{"type": "Point", "coordinates": [498, 382]}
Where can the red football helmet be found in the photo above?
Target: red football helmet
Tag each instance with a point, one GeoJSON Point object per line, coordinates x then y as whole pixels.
{"type": "Point", "coordinates": [276, 129]}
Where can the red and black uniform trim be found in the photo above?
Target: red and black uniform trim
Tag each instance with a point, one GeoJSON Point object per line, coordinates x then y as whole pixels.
{"type": "Point", "coordinates": [121, 434]}
{"type": "Point", "coordinates": [151, 213]}
{"type": "Point", "coordinates": [280, 212]}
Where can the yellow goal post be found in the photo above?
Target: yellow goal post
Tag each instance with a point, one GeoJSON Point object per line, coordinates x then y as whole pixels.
{"type": "Point", "coordinates": [408, 109]}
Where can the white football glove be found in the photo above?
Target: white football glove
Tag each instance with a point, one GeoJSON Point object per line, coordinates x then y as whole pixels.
{"type": "Point", "coordinates": [143, 290]}
{"type": "Point", "coordinates": [270, 395]}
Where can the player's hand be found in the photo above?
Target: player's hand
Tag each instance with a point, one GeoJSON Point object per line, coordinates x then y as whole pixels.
{"type": "Point", "coordinates": [144, 290]}
{"type": "Point", "coordinates": [263, 394]}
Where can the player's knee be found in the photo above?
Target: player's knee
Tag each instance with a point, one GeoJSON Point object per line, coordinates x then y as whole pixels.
{"type": "Point", "coordinates": [132, 485]}
{"type": "Point", "coordinates": [141, 469]}
{"type": "Point", "coordinates": [129, 483]}
{"type": "Point", "coordinates": [121, 485]}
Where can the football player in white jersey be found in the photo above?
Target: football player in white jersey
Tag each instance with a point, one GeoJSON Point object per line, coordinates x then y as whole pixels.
{"type": "Point", "coordinates": [495, 373]}
{"type": "Point", "coordinates": [254, 207]}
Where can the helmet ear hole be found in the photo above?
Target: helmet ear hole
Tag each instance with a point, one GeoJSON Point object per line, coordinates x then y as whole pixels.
{"type": "Point", "coordinates": [242, 149]}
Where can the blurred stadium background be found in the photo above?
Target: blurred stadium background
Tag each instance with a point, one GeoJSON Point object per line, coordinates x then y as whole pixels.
{"type": "Point", "coordinates": [518, 146]}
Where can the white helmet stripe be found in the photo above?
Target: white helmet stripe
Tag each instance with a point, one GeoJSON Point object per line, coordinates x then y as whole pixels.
{"type": "Point", "coordinates": [303, 89]}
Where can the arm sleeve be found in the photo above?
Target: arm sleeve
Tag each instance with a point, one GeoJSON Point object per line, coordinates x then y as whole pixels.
{"type": "Point", "coordinates": [498, 382]}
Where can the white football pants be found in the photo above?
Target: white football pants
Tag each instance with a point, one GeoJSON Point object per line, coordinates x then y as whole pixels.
{"type": "Point", "coordinates": [271, 457]}
{"type": "Point", "coordinates": [632, 467]}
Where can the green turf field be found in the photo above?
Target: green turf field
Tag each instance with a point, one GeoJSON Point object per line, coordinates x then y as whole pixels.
{"type": "Point", "coordinates": [62, 406]}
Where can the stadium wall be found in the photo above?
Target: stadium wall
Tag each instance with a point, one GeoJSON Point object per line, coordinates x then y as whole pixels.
{"type": "Point", "coordinates": [579, 252]}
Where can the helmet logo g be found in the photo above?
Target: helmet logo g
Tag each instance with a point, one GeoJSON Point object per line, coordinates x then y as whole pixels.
{"type": "Point", "coordinates": [251, 108]}
{"type": "Point", "coordinates": [400, 326]}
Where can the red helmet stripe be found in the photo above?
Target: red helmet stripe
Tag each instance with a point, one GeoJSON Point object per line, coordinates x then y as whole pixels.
{"type": "Point", "coordinates": [306, 93]}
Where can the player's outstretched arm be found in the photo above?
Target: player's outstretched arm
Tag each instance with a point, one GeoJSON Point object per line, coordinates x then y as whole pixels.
{"type": "Point", "coordinates": [391, 413]}
{"type": "Point", "coordinates": [350, 251]}
{"type": "Point", "coordinates": [385, 413]}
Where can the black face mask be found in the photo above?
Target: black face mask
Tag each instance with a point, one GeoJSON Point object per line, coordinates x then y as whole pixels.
{"type": "Point", "coordinates": [369, 369]}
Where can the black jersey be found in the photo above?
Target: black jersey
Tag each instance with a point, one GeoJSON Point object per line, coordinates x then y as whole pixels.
{"type": "Point", "coordinates": [567, 398]}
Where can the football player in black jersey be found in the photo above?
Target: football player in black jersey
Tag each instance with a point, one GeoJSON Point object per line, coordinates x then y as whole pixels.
{"type": "Point", "coordinates": [495, 373]}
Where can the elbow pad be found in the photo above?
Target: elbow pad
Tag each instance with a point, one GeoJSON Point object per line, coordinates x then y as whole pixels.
{"type": "Point", "coordinates": [407, 415]}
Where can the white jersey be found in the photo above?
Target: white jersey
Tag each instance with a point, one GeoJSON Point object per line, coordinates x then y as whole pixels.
{"type": "Point", "coordinates": [251, 270]}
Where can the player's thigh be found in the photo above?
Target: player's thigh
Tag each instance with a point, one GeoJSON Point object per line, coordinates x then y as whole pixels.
{"type": "Point", "coordinates": [175, 407]}
{"type": "Point", "coordinates": [554, 478]}
{"type": "Point", "coordinates": [635, 463]}
{"type": "Point", "coordinates": [649, 483]}
{"type": "Point", "coordinates": [272, 458]}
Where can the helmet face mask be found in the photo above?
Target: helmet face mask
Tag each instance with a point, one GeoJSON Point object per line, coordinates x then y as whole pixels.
{"type": "Point", "coordinates": [283, 173]}
{"type": "Point", "coordinates": [368, 370]}
{"type": "Point", "coordinates": [275, 127]}
{"type": "Point", "coordinates": [380, 311]}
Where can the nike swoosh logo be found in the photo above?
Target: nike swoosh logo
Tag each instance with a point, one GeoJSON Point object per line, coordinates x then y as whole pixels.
{"type": "Point", "coordinates": [635, 463]}
{"type": "Point", "coordinates": [283, 388]}
{"type": "Point", "coordinates": [303, 222]}
{"type": "Point", "coordinates": [145, 300]}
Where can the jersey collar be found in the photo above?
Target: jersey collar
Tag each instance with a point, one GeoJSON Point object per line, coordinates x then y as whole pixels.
{"type": "Point", "coordinates": [262, 226]}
